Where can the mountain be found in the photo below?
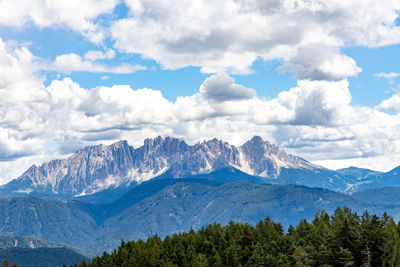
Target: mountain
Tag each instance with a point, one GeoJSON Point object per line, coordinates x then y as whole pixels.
{"type": "Point", "coordinates": [189, 204]}
{"type": "Point", "coordinates": [69, 222]}
{"type": "Point", "coordinates": [89, 170]}
{"type": "Point", "coordinates": [27, 242]}
{"type": "Point", "coordinates": [368, 179]}
{"type": "Point", "coordinates": [391, 178]}
{"type": "Point", "coordinates": [358, 173]}
{"type": "Point", "coordinates": [165, 206]}
{"type": "Point", "coordinates": [385, 195]}
{"type": "Point", "coordinates": [110, 171]}
{"type": "Point", "coordinates": [41, 257]}
{"type": "Point", "coordinates": [29, 251]}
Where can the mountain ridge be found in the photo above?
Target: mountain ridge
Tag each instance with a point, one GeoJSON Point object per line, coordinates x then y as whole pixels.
{"type": "Point", "coordinates": [167, 206]}
{"type": "Point", "coordinates": [105, 172]}
{"type": "Point", "coordinates": [96, 168]}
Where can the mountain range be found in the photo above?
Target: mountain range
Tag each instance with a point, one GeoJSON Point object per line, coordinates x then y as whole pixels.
{"type": "Point", "coordinates": [167, 206]}
{"type": "Point", "coordinates": [102, 194]}
{"type": "Point", "coordinates": [110, 171]}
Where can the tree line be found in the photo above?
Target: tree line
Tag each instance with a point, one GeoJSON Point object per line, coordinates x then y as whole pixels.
{"type": "Point", "coordinates": [341, 239]}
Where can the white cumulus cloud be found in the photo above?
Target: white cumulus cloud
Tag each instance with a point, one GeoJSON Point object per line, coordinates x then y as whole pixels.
{"type": "Point", "coordinates": [391, 104]}
{"type": "Point", "coordinates": [78, 15]}
{"type": "Point", "coordinates": [321, 62]}
{"type": "Point", "coordinates": [94, 55]}
{"type": "Point", "coordinates": [68, 63]}
{"type": "Point", "coordinates": [230, 35]}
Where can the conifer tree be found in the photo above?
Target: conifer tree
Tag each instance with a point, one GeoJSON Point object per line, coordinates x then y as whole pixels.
{"type": "Point", "coordinates": [345, 257]}
{"type": "Point", "coordinates": [343, 239]}
{"type": "Point", "coordinates": [300, 257]}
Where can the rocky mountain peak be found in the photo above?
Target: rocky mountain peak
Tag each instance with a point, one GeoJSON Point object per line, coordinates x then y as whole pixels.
{"type": "Point", "coordinates": [160, 145]}
{"type": "Point", "coordinates": [152, 142]}
{"type": "Point", "coordinates": [100, 167]}
{"type": "Point", "coordinates": [257, 145]}
{"type": "Point", "coordinates": [217, 146]}
{"type": "Point", "coordinates": [256, 140]}
{"type": "Point", "coordinates": [120, 144]}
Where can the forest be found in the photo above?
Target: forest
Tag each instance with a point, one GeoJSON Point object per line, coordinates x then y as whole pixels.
{"type": "Point", "coordinates": [344, 238]}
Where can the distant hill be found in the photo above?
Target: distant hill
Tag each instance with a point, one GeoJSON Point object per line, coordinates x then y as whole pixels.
{"type": "Point", "coordinates": [165, 206]}
{"type": "Point", "coordinates": [386, 195]}
{"type": "Point", "coordinates": [68, 222]}
{"type": "Point", "coordinates": [29, 251]}
{"type": "Point", "coordinates": [41, 257]}
{"type": "Point", "coordinates": [358, 173]}
{"type": "Point", "coordinates": [27, 242]}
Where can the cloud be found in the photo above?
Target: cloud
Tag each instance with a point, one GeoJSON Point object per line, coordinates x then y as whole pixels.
{"type": "Point", "coordinates": [219, 95]}
{"type": "Point", "coordinates": [318, 102]}
{"type": "Point", "coordinates": [76, 15]}
{"type": "Point", "coordinates": [390, 105]}
{"type": "Point", "coordinates": [222, 87]}
{"type": "Point", "coordinates": [321, 62]}
{"type": "Point", "coordinates": [17, 75]}
{"type": "Point", "coordinates": [231, 35]}
{"type": "Point", "coordinates": [65, 114]}
{"type": "Point", "coordinates": [68, 63]}
{"type": "Point", "coordinates": [309, 103]}
{"type": "Point", "coordinates": [223, 36]}
{"type": "Point", "coordinates": [94, 55]}
{"type": "Point", "coordinates": [314, 119]}
{"type": "Point", "coordinates": [389, 76]}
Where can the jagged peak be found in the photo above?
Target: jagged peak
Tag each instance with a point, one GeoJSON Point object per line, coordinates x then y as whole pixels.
{"type": "Point", "coordinates": [214, 141]}
{"type": "Point", "coordinates": [258, 141]}
{"type": "Point", "coordinates": [101, 147]}
{"type": "Point", "coordinates": [158, 154]}
{"type": "Point", "coordinates": [90, 148]}
{"type": "Point", "coordinates": [31, 169]}
{"type": "Point", "coordinates": [159, 140]}
{"type": "Point", "coordinates": [153, 141]}
{"type": "Point", "coordinates": [120, 143]}
{"type": "Point", "coordinates": [167, 144]}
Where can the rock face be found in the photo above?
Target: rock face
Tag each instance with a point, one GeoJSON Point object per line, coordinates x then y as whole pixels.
{"type": "Point", "coordinates": [97, 168]}
{"type": "Point", "coordinates": [87, 170]}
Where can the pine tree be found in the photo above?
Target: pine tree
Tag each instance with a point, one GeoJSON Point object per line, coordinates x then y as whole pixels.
{"type": "Point", "coordinates": [258, 257]}
{"type": "Point", "coordinates": [217, 260]}
{"type": "Point", "coordinates": [232, 256]}
{"type": "Point", "coordinates": [391, 247]}
{"type": "Point", "coordinates": [201, 260]}
{"type": "Point", "coordinates": [345, 258]}
{"type": "Point", "coordinates": [340, 240]}
{"type": "Point", "coordinates": [300, 257]}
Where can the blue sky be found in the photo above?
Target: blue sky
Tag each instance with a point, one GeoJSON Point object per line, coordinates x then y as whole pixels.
{"type": "Point", "coordinates": [318, 78]}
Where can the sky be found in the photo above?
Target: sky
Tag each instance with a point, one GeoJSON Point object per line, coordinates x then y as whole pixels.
{"type": "Point", "coordinates": [319, 78]}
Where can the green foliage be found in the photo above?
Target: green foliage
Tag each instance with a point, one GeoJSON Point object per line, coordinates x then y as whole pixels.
{"type": "Point", "coordinates": [44, 257]}
{"type": "Point", "coordinates": [149, 209]}
{"type": "Point", "coordinates": [343, 239]}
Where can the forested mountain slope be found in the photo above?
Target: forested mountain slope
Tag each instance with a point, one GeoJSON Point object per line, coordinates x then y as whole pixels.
{"type": "Point", "coordinates": [167, 206]}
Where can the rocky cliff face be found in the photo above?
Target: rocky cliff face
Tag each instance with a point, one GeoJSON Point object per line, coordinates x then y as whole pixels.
{"type": "Point", "coordinates": [96, 168]}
